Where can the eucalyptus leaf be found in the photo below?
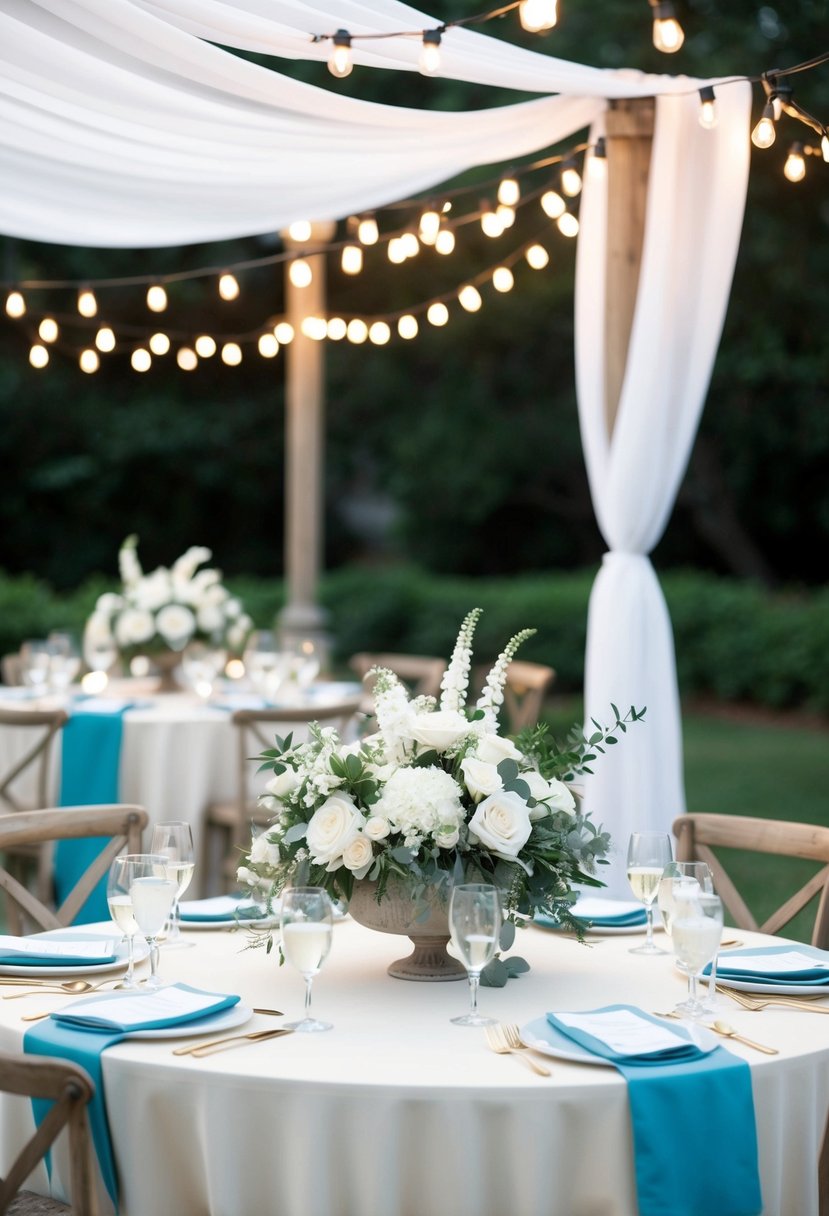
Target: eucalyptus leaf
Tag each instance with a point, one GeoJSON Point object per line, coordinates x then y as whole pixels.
{"type": "Point", "coordinates": [494, 974]}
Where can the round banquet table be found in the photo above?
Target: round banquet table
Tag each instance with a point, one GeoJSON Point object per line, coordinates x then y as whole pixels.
{"type": "Point", "coordinates": [397, 1112]}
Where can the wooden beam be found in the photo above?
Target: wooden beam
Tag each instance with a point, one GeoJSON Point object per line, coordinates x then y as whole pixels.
{"type": "Point", "coordinates": [629, 137]}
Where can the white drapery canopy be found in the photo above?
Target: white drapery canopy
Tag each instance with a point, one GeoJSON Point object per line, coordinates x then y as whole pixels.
{"type": "Point", "coordinates": [123, 123]}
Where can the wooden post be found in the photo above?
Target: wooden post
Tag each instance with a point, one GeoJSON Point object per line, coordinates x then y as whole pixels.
{"type": "Point", "coordinates": [302, 619]}
{"type": "Point", "coordinates": [629, 137]}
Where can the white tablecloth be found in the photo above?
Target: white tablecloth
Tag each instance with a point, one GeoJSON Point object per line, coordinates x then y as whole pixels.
{"type": "Point", "coordinates": [396, 1112]}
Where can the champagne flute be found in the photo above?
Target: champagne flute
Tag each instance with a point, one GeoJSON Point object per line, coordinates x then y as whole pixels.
{"type": "Point", "coordinates": [307, 921]}
{"type": "Point", "coordinates": [152, 893]}
{"type": "Point", "coordinates": [684, 873]}
{"type": "Point", "coordinates": [174, 840]}
{"type": "Point", "coordinates": [474, 924]}
{"type": "Point", "coordinates": [648, 854]}
{"type": "Point", "coordinates": [696, 930]}
{"type": "Point", "coordinates": [119, 901]}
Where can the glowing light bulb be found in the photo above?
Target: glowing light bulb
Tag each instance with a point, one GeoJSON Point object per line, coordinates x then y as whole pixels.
{"type": "Point", "coordinates": [38, 356]}
{"type": "Point", "coordinates": [570, 179]}
{"type": "Point", "coordinates": [156, 298]}
{"type": "Point", "coordinates": [315, 328]}
{"type": "Point", "coordinates": [407, 327]}
{"type": "Point", "coordinates": [379, 333]}
{"type": "Point", "coordinates": [87, 304]}
{"type": "Point", "coordinates": [437, 313]}
{"type": "Point", "coordinates": [232, 354]}
{"type": "Point", "coordinates": [410, 244]}
{"type": "Point", "coordinates": [337, 329]}
{"type": "Point", "coordinates": [509, 192]}
{"type": "Point", "coordinates": [141, 360]}
{"type": "Point", "coordinates": [537, 15]}
{"type": "Point", "coordinates": [300, 231]}
{"type": "Point", "coordinates": [357, 331]}
{"type": "Point", "coordinates": [445, 242]}
{"type": "Point", "coordinates": [491, 222]}
{"type": "Point", "coordinates": [707, 107]}
{"type": "Point", "coordinates": [186, 359]}
{"type": "Point", "coordinates": [268, 346]}
{"type": "Point", "coordinates": [470, 298]}
{"type": "Point", "coordinates": [205, 347]}
{"type": "Point", "coordinates": [283, 331]}
{"type": "Point", "coordinates": [764, 134]}
{"type": "Point", "coordinates": [429, 60]}
{"type": "Point", "coordinates": [567, 224]}
{"type": "Point", "coordinates": [15, 304]}
{"type": "Point", "coordinates": [48, 330]}
{"type": "Point", "coordinates": [537, 257]}
{"type": "Point", "coordinates": [105, 339]}
{"type": "Point", "coordinates": [367, 231]}
{"type": "Point", "coordinates": [824, 147]}
{"type": "Point", "coordinates": [795, 167]}
{"type": "Point", "coordinates": [668, 35]}
{"type": "Point", "coordinates": [351, 259]}
{"type": "Point", "coordinates": [340, 63]}
{"type": "Point", "coordinates": [300, 273]}
{"type": "Point", "coordinates": [395, 251]}
{"type": "Point", "coordinates": [88, 361]}
{"type": "Point", "coordinates": [506, 215]}
{"type": "Point", "coordinates": [552, 204]}
{"type": "Point", "coordinates": [159, 344]}
{"type": "Point", "coordinates": [429, 226]}
{"type": "Point", "coordinates": [503, 279]}
{"type": "Point", "coordinates": [228, 286]}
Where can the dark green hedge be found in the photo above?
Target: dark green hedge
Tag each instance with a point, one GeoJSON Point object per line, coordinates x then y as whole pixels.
{"type": "Point", "coordinates": [734, 641]}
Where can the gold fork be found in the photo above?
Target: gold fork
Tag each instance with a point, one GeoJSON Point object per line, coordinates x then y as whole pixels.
{"type": "Point", "coordinates": [504, 1040]}
{"type": "Point", "coordinates": [197, 1050]}
{"type": "Point", "coordinates": [786, 1002]}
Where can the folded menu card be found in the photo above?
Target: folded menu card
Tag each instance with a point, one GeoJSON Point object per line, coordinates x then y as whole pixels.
{"type": "Point", "coordinates": [220, 907]}
{"type": "Point", "coordinates": [691, 1107]}
{"type": "Point", "coordinates": [83, 1030]}
{"type": "Point", "coordinates": [779, 965]}
{"type": "Point", "coordinates": [40, 951]}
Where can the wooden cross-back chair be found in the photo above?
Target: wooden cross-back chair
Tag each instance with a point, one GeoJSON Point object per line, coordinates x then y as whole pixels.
{"type": "Point", "coordinates": [227, 824]}
{"type": "Point", "coordinates": [123, 825]}
{"type": "Point", "coordinates": [699, 836]}
{"type": "Point", "coordinates": [70, 1089]}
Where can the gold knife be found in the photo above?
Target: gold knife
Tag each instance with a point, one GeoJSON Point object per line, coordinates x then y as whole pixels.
{"type": "Point", "coordinates": [199, 1049]}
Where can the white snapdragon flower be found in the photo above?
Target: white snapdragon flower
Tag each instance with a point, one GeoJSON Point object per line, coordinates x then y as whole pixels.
{"type": "Point", "coordinates": [501, 823]}
{"type": "Point", "coordinates": [185, 566]}
{"type": "Point", "coordinates": [108, 603]}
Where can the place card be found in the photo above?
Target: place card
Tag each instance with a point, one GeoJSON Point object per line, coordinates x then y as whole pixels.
{"type": "Point", "coordinates": [167, 1006]}
{"type": "Point", "coordinates": [60, 949]}
{"type": "Point", "coordinates": [772, 963]}
{"type": "Point", "coordinates": [622, 1031]}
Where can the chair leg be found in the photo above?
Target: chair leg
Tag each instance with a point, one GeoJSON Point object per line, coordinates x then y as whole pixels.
{"type": "Point", "coordinates": [823, 1175]}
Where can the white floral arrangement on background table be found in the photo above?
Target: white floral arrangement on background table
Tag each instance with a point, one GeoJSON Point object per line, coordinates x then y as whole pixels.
{"type": "Point", "coordinates": [436, 795]}
{"type": "Point", "coordinates": [167, 608]}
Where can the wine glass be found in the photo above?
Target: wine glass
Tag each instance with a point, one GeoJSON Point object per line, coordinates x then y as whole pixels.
{"type": "Point", "coordinates": [696, 930]}
{"type": "Point", "coordinates": [684, 873]}
{"type": "Point", "coordinates": [202, 664]}
{"type": "Point", "coordinates": [152, 893]}
{"type": "Point", "coordinates": [174, 841]}
{"type": "Point", "coordinates": [35, 664]}
{"type": "Point", "coordinates": [307, 921]}
{"type": "Point", "coordinates": [264, 662]}
{"type": "Point", "coordinates": [474, 923]}
{"type": "Point", "coordinates": [119, 901]}
{"type": "Point", "coordinates": [99, 654]}
{"type": "Point", "coordinates": [648, 854]}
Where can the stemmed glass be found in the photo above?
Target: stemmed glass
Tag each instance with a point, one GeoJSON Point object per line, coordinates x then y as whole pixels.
{"type": "Point", "coordinates": [307, 921]}
{"type": "Point", "coordinates": [152, 893]}
{"type": "Point", "coordinates": [689, 875]}
{"type": "Point", "coordinates": [35, 664]}
{"type": "Point", "coordinates": [265, 662]}
{"type": "Point", "coordinates": [174, 841]}
{"type": "Point", "coordinates": [648, 854]}
{"type": "Point", "coordinates": [64, 659]}
{"type": "Point", "coordinates": [202, 664]}
{"type": "Point", "coordinates": [474, 924]}
{"type": "Point", "coordinates": [119, 900]}
{"type": "Point", "coordinates": [696, 930]}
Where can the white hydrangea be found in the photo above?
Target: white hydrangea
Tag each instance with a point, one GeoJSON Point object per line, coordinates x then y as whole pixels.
{"type": "Point", "coordinates": [420, 802]}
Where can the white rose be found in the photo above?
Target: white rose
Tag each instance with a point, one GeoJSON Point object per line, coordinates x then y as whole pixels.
{"type": "Point", "coordinates": [492, 749]}
{"type": "Point", "coordinates": [561, 797]}
{"type": "Point", "coordinates": [377, 828]}
{"type": "Point", "coordinates": [283, 784]}
{"type": "Point", "coordinates": [502, 823]}
{"type": "Point", "coordinates": [358, 855]}
{"type": "Point", "coordinates": [210, 619]}
{"type": "Point", "coordinates": [133, 626]}
{"type": "Point", "coordinates": [440, 729]}
{"type": "Point", "coordinates": [446, 837]}
{"type": "Point", "coordinates": [332, 828]}
{"type": "Point", "coordinates": [480, 778]}
{"type": "Point", "coordinates": [176, 624]}
{"type": "Point", "coordinates": [259, 849]}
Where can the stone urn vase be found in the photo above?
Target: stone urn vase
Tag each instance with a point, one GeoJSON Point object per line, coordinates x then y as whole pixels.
{"type": "Point", "coordinates": [167, 664]}
{"type": "Point", "coordinates": [425, 922]}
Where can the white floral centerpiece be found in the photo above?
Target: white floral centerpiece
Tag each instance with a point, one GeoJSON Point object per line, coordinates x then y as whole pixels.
{"type": "Point", "coordinates": [436, 795]}
{"type": "Point", "coordinates": [168, 608]}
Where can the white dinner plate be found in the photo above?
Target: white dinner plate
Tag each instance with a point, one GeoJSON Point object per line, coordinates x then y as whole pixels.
{"type": "Point", "coordinates": [773, 989]}
{"type": "Point", "coordinates": [265, 922]}
{"type": "Point", "coordinates": [64, 971]}
{"type": "Point", "coordinates": [544, 1038]}
{"type": "Point", "coordinates": [236, 1015]}
{"type": "Point", "coordinates": [611, 930]}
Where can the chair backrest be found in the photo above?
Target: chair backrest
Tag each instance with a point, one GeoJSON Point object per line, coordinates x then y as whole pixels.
{"type": "Point", "coordinates": [70, 1089]}
{"type": "Point", "coordinates": [24, 779]}
{"type": "Point", "coordinates": [699, 835]}
{"type": "Point", "coordinates": [122, 824]}
{"type": "Point", "coordinates": [11, 668]}
{"type": "Point", "coordinates": [526, 687]}
{"type": "Point", "coordinates": [422, 673]}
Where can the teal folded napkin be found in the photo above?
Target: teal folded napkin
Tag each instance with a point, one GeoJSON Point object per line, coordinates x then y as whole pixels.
{"type": "Point", "coordinates": [90, 760]}
{"type": "Point", "coordinates": [692, 1111]}
{"type": "Point", "coordinates": [602, 913]}
{"type": "Point", "coordinates": [228, 908]}
{"type": "Point", "coordinates": [46, 950]}
{"type": "Point", "coordinates": [83, 1030]}
{"type": "Point", "coordinates": [796, 964]}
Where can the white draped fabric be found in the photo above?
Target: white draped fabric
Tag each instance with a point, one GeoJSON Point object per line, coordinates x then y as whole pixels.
{"type": "Point", "coordinates": [124, 123]}
{"type": "Point", "coordinates": [696, 197]}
